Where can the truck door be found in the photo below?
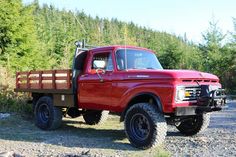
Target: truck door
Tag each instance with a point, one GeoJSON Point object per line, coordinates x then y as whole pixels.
{"type": "Point", "coordinates": [95, 86]}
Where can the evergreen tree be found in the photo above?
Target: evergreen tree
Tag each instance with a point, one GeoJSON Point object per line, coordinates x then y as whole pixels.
{"type": "Point", "coordinates": [19, 45]}
{"type": "Point", "coordinates": [211, 48]}
{"type": "Point", "coordinates": [42, 37]}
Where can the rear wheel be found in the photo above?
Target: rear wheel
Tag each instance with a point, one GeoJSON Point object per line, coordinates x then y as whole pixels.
{"type": "Point", "coordinates": [93, 117]}
{"type": "Point", "coordinates": [145, 126]}
{"type": "Point", "coordinates": [194, 125]}
{"type": "Point", "coordinates": [47, 116]}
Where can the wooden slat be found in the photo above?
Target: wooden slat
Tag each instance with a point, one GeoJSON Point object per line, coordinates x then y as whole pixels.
{"type": "Point", "coordinates": [23, 73]}
{"type": "Point", "coordinates": [17, 85]}
{"type": "Point", "coordinates": [23, 86]}
{"type": "Point", "coordinates": [68, 79]}
{"type": "Point", "coordinates": [47, 72]}
{"type": "Point", "coordinates": [48, 79]}
{"type": "Point", "coordinates": [62, 71]}
{"type": "Point", "coordinates": [21, 79]}
{"type": "Point", "coordinates": [40, 80]}
{"type": "Point", "coordinates": [34, 72]}
{"type": "Point", "coordinates": [47, 86]}
{"type": "Point", "coordinates": [62, 78]}
{"type": "Point", "coordinates": [28, 80]}
{"type": "Point", "coordinates": [34, 86]}
{"type": "Point", "coordinates": [34, 78]}
{"type": "Point", "coordinates": [62, 86]}
{"type": "Point", "coordinates": [53, 79]}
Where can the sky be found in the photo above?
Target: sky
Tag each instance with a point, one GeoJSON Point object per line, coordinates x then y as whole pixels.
{"type": "Point", "coordinates": [179, 17]}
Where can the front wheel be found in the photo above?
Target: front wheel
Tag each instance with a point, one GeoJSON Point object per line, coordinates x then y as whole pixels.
{"type": "Point", "coordinates": [145, 126]}
{"type": "Point", "coordinates": [194, 125]}
{"type": "Point", "coordinates": [47, 116]}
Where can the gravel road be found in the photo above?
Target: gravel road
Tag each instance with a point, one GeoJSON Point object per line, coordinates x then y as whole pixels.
{"type": "Point", "coordinates": [218, 140]}
{"type": "Point", "coordinates": [19, 135]}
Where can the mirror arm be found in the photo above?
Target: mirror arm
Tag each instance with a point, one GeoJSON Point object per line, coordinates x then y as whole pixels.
{"type": "Point", "coordinates": [99, 76]}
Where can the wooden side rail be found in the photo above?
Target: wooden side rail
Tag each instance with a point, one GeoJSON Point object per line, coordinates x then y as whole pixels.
{"type": "Point", "coordinates": [46, 79]}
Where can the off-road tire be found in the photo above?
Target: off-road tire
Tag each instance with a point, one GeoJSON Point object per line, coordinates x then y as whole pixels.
{"type": "Point", "coordinates": [47, 116]}
{"type": "Point", "coordinates": [194, 125]}
{"type": "Point", "coordinates": [93, 117]}
{"type": "Point", "coordinates": [153, 123]}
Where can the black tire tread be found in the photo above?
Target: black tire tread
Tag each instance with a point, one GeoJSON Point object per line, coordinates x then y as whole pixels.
{"type": "Point", "coordinates": [96, 117]}
{"type": "Point", "coordinates": [201, 126]}
{"type": "Point", "coordinates": [160, 126]}
{"type": "Point", "coordinates": [55, 119]}
{"type": "Point", "coordinates": [206, 122]}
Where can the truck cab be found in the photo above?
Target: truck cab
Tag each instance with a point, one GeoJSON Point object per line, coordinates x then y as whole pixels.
{"type": "Point", "coordinates": [131, 82]}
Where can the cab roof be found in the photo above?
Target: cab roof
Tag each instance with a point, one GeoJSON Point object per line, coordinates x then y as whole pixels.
{"type": "Point", "coordinates": [115, 47]}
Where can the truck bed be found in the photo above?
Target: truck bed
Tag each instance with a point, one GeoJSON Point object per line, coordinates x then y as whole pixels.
{"type": "Point", "coordinates": [46, 81]}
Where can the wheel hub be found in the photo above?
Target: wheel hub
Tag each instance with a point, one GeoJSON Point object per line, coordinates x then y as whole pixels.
{"type": "Point", "coordinates": [140, 126]}
{"type": "Point", "coordinates": [44, 113]}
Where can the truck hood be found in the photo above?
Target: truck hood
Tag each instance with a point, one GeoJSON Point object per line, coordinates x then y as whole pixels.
{"type": "Point", "coordinates": [184, 75]}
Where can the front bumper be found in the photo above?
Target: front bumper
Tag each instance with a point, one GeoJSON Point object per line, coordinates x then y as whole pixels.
{"type": "Point", "coordinates": [212, 101]}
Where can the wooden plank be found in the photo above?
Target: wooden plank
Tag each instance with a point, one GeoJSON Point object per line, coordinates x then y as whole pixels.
{"type": "Point", "coordinates": [17, 85]}
{"type": "Point", "coordinates": [59, 91]}
{"type": "Point", "coordinates": [48, 79]}
{"type": "Point", "coordinates": [68, 79]}
{"type": "Point", "coordinates": [21, 79]}
{"type": "Point", "coordinates": [34, 86]}
{"type": "Point", "coordinates": [48, 72]}
{"type": "Point", "coordinates": [61, 78]}
{"type": "Point", "coordinates": [34, 78]}
{"type": "Point", "coordinates": [53, 79]}
{"type": "Point", "coordinates": [34, 72]}
{"type": "Point", "coordinates": [23, 86]}
{"type": "Point", "coordinates": [62, 71]}
{"type": "Point", "coordinates": [62, 86]}
{"type": "Point", "coordinates": [23, 73]}
{"type": "Point", "coordinates": [47, 86]}
{"type": "Point", "coordinates": [28, 80]}
{"type": "Point", "coordinates": [40, 80]}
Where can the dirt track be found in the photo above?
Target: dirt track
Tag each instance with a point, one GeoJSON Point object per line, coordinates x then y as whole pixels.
{"type": "Point", "coordinates": [75, 138]}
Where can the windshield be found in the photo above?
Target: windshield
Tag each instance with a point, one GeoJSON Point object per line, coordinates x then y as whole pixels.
{"type": "Point", "coordinates": [136, 59]}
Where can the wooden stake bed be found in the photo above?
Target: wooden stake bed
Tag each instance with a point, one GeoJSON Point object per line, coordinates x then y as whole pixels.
{"type": "Point", "coordinates": [46, 81]}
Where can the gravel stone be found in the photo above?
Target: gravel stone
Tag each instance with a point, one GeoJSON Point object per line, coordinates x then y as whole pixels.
{"type": "Point", "coordinates": [20, 137]}
{"type": "Point", "coordinates": [4, 115]}
{"type": "Point", "coordinates": [219, 139]}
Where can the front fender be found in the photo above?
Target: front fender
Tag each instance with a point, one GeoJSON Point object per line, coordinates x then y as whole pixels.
{"type": "Point", "coordinates": [163, 92]}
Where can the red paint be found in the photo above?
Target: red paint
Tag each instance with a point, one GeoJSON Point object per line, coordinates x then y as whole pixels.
{"type": "Point", "coordinates": [115, 89]}
{"type": "Point", "coordinates": [119, 87]}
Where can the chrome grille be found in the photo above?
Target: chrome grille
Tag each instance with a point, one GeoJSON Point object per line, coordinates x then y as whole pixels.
{"type": "Point", "coordinates": [194, 92]}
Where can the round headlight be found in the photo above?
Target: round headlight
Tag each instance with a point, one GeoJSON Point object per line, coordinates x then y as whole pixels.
{"type": "Point", "coordinates": [180, 94]}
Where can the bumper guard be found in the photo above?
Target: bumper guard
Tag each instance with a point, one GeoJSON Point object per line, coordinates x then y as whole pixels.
{"type": "Point", "coordinates": [212, 101]}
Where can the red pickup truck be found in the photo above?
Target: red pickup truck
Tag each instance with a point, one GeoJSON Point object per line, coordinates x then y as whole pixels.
{"type": "Point", "coordinates": [129, 81]}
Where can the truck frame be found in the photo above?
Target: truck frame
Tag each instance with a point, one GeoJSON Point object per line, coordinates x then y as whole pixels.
{"type": "Point", "coordinates": [129, 81]}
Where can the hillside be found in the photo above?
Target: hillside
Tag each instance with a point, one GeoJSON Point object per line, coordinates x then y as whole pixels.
{"type": "Point", "coordinates": [34, 35]}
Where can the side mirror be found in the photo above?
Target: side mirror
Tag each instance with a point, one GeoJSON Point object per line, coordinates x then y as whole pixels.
{"type": "Point", "coordinates": [100, 71]}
